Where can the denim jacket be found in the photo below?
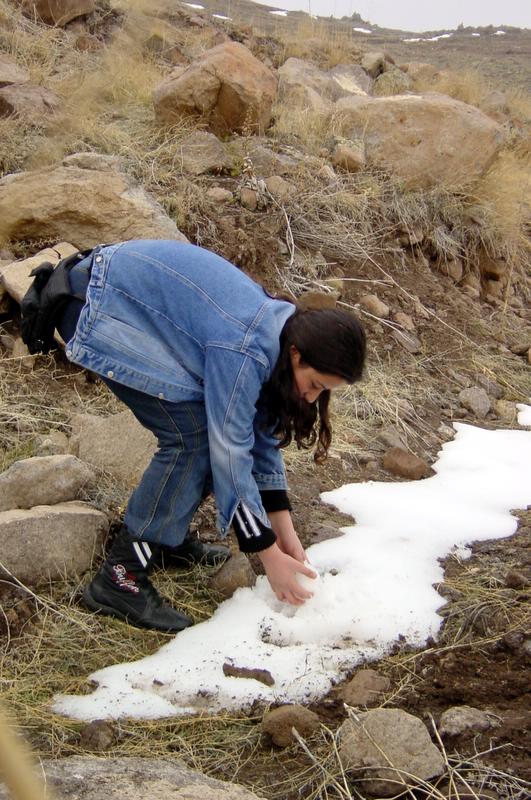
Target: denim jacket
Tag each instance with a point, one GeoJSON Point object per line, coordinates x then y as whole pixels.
{"type": "Point", "coordinates": [178, 322]}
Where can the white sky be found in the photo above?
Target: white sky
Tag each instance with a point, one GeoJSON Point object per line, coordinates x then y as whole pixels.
{"type": "Point", "coordinates": [376, 582]}
{"type": "Point", "coordinates": [417, 15]}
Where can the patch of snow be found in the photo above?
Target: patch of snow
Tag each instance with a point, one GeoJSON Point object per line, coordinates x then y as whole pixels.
{"type": "Point", "coordinates": [524, 417]}
{"type": "Point", "coordinates": [195, 6]}
{"type": "Point", "coordinates": [362, 30]}
{"type": "Point", "coordinates": [376, 583]}
{"type": "Point", "coordinates": [475, 34]}
{"type": "Point", "coordinates": [279, 13]}
{"type": "Point", "coordinates": [220, 16]}
{"type": "Point", "coordinates": [414, 40]}
{"type": "Point", "coordinates": [499, 33]}
{"type": "Point", "coordinates": [441, 36]}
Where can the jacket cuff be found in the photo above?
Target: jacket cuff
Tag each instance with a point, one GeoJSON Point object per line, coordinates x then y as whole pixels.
{"type": "Point", "coordinates": [253, 536]}
{"type": "Point", "coordinates": [275, 500]}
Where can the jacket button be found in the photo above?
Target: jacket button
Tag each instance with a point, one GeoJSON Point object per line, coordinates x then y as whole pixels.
{"type": "Point", "coordinates": [161, 396]}
{"type": "Point", "coordinates": [110, 374]}
{"type": "Point", "coordinates": [68, 353]}
{"type": "Point", "coordinates": [98, 259]}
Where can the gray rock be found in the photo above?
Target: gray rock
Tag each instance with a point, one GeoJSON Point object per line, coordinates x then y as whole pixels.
{"type": "Point", "coordinates": [460, 719]}
{"type": "Point", "coordinates": [475, 400]}
{"type": "Point", "coordinates": [506, 411]}
{"type": "Point", "coordinates": [219, 196]}
{"type": "Point", "coordinates": [96, 161]}
{"type": "Point", "coordinates": [43, 480]}
{"type": "Point", "coordinates": [391, 437]}
{"type": "Point", "coordinates": [15, 276]}
{"type": "Point", "coordinates": [392, 81]}
{"type": "Point", "coordinates": [373, 63]}
{"type": "Point", "coordinates": [53, 443]}
{"type": "Point", "coordinates": [234, 574]}
{"type": "Point", "coordinates": [279, 723]}
{"type": "Point", "coordinates": [491, 387]}
{"type": "Point", "coordinates": [377, 739]}
{"type": "Point", "coordinates": [202, 153]}
{"type": "Point", "coordinates": [409, 341]}
{"type": "Point", "coordinates": [50, 542]}
{"type": "Point", "coordinates": [90, 778]}
{"type": "Point", "coordinates": [32, 103]}
{"type": "Point", "coordinates": [118, 444]}
{"type": "Point", "coordinates": [365, 689]}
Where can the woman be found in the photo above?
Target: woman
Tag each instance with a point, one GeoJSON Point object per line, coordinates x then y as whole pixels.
{"type": "Point", "coordinates": [223, 374]}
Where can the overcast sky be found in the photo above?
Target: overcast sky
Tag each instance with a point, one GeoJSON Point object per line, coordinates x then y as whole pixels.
{"type": "Point", "coordinates": [419, 15]}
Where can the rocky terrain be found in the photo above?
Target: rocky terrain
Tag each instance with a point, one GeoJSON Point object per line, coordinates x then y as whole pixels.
{"type": "Point", "coordinates": [386, 175]}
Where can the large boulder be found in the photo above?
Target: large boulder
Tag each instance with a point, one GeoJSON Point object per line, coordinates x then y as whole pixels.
{"type": "Point", "coordinates": [92, 778]}
{"type": "Point", "coordinates": [15, 276]}
{"type": "Point", "coordinates": [426, 140]}
{"type": "Point", "coordinates": [304, 84]}
{"type": "Point", "coordinates": [117, 444]}
{"type": "Point", "coordinates": [84, 206]}
{"type": "Point", "coordinates": [32, 103]}
{"type": "Point", "coordinates": [388, 748]}
{"type": "Point", "coordinates": [44, 480]}
{"type": "Point", "coordinates": [57, 12]}
{"type": "Point", "coordinates": [50, 542]}
{"type": "Point", "coordinates": [227, 88]}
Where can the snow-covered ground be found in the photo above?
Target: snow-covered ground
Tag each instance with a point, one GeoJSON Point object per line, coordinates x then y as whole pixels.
{"type": "Point", "coordinates": [362, 30]}
{"type": "Point", "coordinates": [376, 583]}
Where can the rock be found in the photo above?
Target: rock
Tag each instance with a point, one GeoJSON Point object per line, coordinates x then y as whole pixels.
{"type": "Point", "coordinates": [31, 103]}
{"type": "Point", "coordinates": [21, 352]}
{"type": "Point", "coordinates": [265, 161]}
{"type": "Point", "coordinates": [318, 300]}
{"type": "Point", "coordinates": [506, 411]}
{"type": "Point", "coordinates": [427, 140]}
{"type": "Point", "coordinates": [220, 196]}
{"type": "Point", "coordinates": [453, 268]}
{"type": "Point", "coordinates": [472, 286]}
{"type": "Point", "coordinates": [373, 63]}
{"type": "Point", "coordinates": [491, 387]}
{"type": "Point", "coordinates": [227, 88]}
{"type": "Point", "coordinates": [302, 83]}
{"type": "Point", "coordinates": [279, 722]}
{"type": "Point", "coordinates": [93, 778]}
{"type": "Point", "coordinates": [118, 444]}
{"type": "Point", "coordinates": [248, 673]}
{"type": "Point", "coordinates": [475, 400]}
{"type": "Point", "coordinates": [249, 198]}
{"type": "Point", "coordinates": [348, 157]}
{"type": "Point", "coordinates": [365, 689]}
{"type": "Point", "coordinates": [15, 277]}
{"type": "Point", "coordinates": [202, 153]}
{"type": "Point", "coordinates": [384, 737]}
{"type": "Point", "coordinates": [86, 43]}
{"type": "Point", "coordinates": [461, 719]}
{"type": "Point", "coordinates": [392, 81]}
{"type": "Point", "coordinates": [84, 206]}
{"type": "Point", "coordinates": [375, 306]}
{"type": "Point", "coordinates": [97, 735]}
{"type": "Point", "coordinates": [391, 437]}
{"type": "Point", "coordinates": [327, 174]}
{"type": "Point", "coordinates": [404, 464]}
{"type": "Point", "coordinates": [96, 161]}
{"type": "Point", "coordinates": [44, 480]}
{"type": "Point", "coordinates": [279, 188]}
{"type": "Point", "coordinates": [513, 641]}
{"type": "Point", "coordinates": [234, 574]}
{"type": "Point", "coordinates": [405, 321]}
{"type": "Point", "coordinates": [11, 72]}
{"type": "Point", "coordinates": [420, 71]}
{"type": "Point", "coordinates": [516, 579]}
{"type": "Point", "coordinates": [50, 542]}
{"type": "Point", "coordinates": [57, 12]}
{"type": "Point", "coordinates": [410, 342]}
{"type": "Point", "coordinates": [53, 443]}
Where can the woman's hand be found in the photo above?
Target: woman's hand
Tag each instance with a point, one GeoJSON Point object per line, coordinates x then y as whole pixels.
{"type": "Point", "coordinates": [287, 538]}
{"type": "Point", "coordinates": [281, 570]}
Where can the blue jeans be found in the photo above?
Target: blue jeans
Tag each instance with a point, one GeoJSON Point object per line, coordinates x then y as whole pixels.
{"type": "Point", "coordinates": [178, 477]}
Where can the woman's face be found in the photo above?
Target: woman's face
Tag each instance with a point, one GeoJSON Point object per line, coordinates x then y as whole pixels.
{"type": "Point", "coordinates": [309, 383]}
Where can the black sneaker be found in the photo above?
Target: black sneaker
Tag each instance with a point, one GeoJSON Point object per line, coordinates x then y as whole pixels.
{"type": "Point", "coordinates": [193, 551]}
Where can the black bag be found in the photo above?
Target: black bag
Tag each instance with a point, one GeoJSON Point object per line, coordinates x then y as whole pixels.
{"type": "Point", "coordinates": [45, 299]}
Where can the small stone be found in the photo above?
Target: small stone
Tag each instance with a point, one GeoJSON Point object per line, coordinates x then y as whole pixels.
{"type": "Point", "coordinates": [279, 722]}
{"type": "Point", "coordinates": [475, 400]}
{"type": "Point", "coordinates": [408, 340]}
{"type": "Point", "coordinates": [21, 352]}
{"type": "Point", "coordinates": [405, 464]}
{"type": "Point", "coordinates": [318, 300]}
{"type": "Point", "coordinates": [279, 188]}
{"type": "Point", "coordinates": [220, 196]}
{"type": "Point", "coordinates": [323, 533]}
{"type": "Point", "coordinates": [249, 198]}
{"type": "Point", "coordinates": [53, 443]}
{"type": "Point", "coordinates": [491, 387]}
{"type": "Point", "coordinates": [453, 269]}
{"type": "Point", "coordinates": [234, 574]}
{"type": "Point", "coordinates": [97, 735]}
{"type": "Point", "coordinates": [348, 157]}
{"type": "Point", "coordinates": [327, 174]}
{"type": "Point", "coordinates": [506, 411]}
{"type": "Point", "coordinates": [373, 63]}
{"type": "Point", "coordinates": [513, 641]}
{"type": "Point", "coordinates": [516, 580]}
{"type": "Point", "coordinates": [365, 689]}
{"type": "Point", "coordinates": [375, 306]}
{"type": "Point", "coordinates": [390, 437]}
{"type": "Point", "coordinates": [404, 320]}
{"type": "Point", "coordinates": [461, 719]}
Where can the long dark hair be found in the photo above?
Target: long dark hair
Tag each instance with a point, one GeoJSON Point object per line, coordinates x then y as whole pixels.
{"type": "Point", "coordinates": [330, 341]}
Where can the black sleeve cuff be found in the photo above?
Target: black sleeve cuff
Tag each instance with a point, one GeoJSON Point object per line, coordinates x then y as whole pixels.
{"type": "Point", "coordinates": [275, 500]}
{"type": "Point", "coordinates": [253, 536]}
